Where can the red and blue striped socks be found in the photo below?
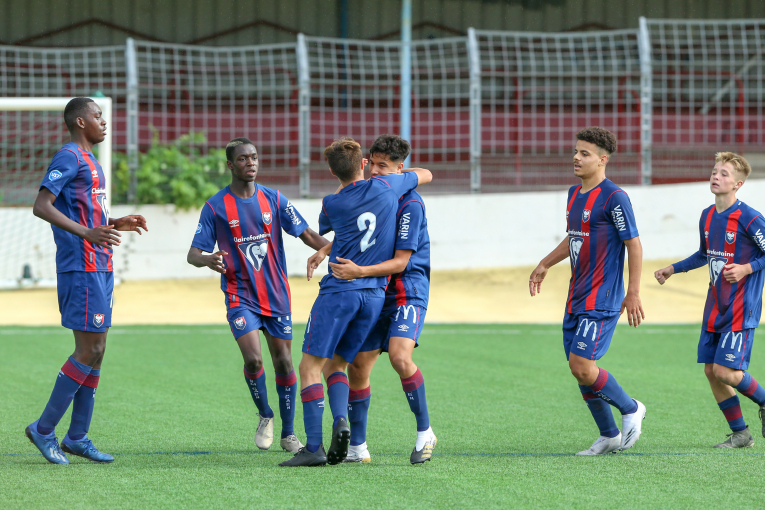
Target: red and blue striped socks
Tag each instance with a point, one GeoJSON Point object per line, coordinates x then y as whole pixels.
{"type": "Point", "coordinates": [82, 406]}
{"type": "Point", "coordinates": [358, 410]}
{"type": "Point", "coordinates": [601, 412]}
{"type": "Point", "coordinates": [257, 385]}
{"type": "Point", "coordinates": [71, 376]}
{"type": "Point", "coordinates": [286, 386]}
{"type": "Point", "coordinates": [606, 387]}
{"type": "Point", "coordinates": [751, 389]}
{"type": "Point", "coordinates": [731, 408]}
{"type": "Point", "coordinates": [313, 410]}
{"type": "Point", "coordinates": [414, 388]}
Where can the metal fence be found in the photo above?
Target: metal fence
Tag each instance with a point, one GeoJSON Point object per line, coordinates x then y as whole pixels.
{"type": "Point", "coordinates": [494, 111]}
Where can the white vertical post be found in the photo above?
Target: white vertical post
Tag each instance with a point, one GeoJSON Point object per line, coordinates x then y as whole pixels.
{"type": "Point", "coordinates": [131, 61]}
{"type": "Point", "coordinates": [304, 112]}
{"type": "Point", "coordinates": [406, 74]}
{"type": "Point", "coordinates": [646, 102]}
{"type": "Point", "coordinates": [474, 60]}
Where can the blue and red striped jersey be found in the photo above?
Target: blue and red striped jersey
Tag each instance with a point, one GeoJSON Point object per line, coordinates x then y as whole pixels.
{"type": "Point", "coordinates": [598, 223]}
{"type": "Point", "coordinates": [250, 231]}
{"type": "Point", "coordinates": [412, 285]}
{"type": "Point", "coordinates": [76, 178]}
{"type": "Point", "coordinates": [363, 217]}
{"type": "Point", "coordinates": [734, 236]}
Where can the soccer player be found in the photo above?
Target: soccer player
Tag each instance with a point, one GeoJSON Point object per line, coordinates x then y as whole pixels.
{"type": "Point", "coordinates": [72, 198]}
{"type": "Point", "coordinates": [246, 220]}
{"type": "Point", "coordinates": [600, 225]}
{"type": "Point", "coordinates": [732, 242]}
{"type": "Point", "coordinates": [406, 301]}
{"type": "Point", "coordinates": [363, 216]}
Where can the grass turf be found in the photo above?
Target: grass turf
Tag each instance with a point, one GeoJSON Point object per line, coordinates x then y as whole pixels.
{"type": "Point", "coordinates": [173, 407]}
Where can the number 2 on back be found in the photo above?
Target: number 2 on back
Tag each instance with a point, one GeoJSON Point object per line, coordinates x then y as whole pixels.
{"type": "Point", "coordinates": [362, 223]}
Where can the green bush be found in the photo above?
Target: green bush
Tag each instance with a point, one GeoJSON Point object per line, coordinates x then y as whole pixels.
{"type": "Point", "coordinates": [173, 173]}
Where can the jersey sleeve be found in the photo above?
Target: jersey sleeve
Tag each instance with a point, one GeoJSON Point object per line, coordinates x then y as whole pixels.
{"type": "Point", "coordinates": [205, 236]}
{"type": "Point", "coordinates": [401, 184]}
{"type": "Point", "coordinates": [756, 232]}
{"type": "Point", "coordinates": [409, 223]}
{"type": "Point", "coordinates": [622, 217]}
{"type": "Point", "coordinates": [699, 258]}
{"type": "Point", "coordinates": [62, 170]}
{"type": "Point", "coordinates": [291, 220]}
{"type": "Point", "coordinates": [324, 224]}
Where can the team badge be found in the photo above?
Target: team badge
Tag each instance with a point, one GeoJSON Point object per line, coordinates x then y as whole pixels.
{"type": "Point", "coordinates": [586, 215]}
{"type": "Point", "coordinates": [240, 323]}
{"type": "Point", "coordinates": [716, 266]}
{"type": "Point", "coordinates": [730, 237]}
{"type": "Point", "coordinates": [199, 228]}
{"type": "Point", "coordinates": [267, 218]}
{"type": "Point", "coordinates": [55, 174]}
{"type": "Point", "coordinates": [98, 320]}
{"type": "Point", "coordinates": [255, 252]}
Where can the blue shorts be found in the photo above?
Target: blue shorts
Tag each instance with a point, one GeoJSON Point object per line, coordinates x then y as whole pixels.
{"type": "Point", "coordinates": [341, 321]}
{"type": "Point", "coordinates": [588, 334]}
{"type": "Point", "coordinates": [85, 300]}
{"type": "Point", "coordinates": [243, 320]}
{"type": "Point", "coordinates": [730, 349]}
{"type": "Point", "coordinates": [403, 321]}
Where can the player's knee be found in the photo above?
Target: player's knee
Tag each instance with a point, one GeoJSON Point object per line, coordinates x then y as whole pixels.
{"type": "Point", "coordinates": [402, 364]}
{"type": "Point", "coordinates": [709, 371]}
{"type": "Point", "coordinates": [283, 363]}
{"type": "Point", "coordinates": [725, 375]}
{"type": "Point", "coordinates": [253, 364]}
{"type": "Point", "coordinates": [583, 374]}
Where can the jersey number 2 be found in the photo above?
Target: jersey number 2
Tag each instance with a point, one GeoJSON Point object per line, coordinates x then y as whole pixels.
{"type": "Point", "coordinates": [362, 224]}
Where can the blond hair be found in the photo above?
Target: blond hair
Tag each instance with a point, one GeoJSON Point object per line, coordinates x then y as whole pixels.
{"type": "Point", "coordinates": [739, 164]}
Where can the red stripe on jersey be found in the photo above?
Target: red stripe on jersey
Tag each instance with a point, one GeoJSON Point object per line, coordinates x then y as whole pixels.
{"type": "Point", "coordinates": [713, 311]}
{"type": "Point", "coordinates": [573, 273]}
{"type": "Point", "coordinates": [738, 299]}
{"type": "Point", "coordinates": [584, 251]}
{"type": "Point", "coordinates": [261, 286]}
{"type": "Point", "coordinates": [236, 230]}
{"type": "Point", "coordinates": [571, 202]}
{"type": "Point", "coordinates": [75, 154]}
{"type": "Point", "coordinates": [408, 202]}
{"type": "Point", "coordinates": [758, 216]}
{"type": "Point", "coordinates": [398, 285]}
{"type": "Point", "coordinates": [90, 255]}
{"type": "Point", "coordinates": [612, 194]}
{"type": "Point", "coordinates": [707, 224]}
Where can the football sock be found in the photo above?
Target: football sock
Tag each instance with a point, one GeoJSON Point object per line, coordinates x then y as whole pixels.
{"type": "Point", "coordinates": [732, 411]}
{"type": "Point", "coordinates": [358, 410]}
{"type": "Point", "coordinates": [286, 386]}
{"type": "Point", "coordinates": [257, 385]}
{"type": "Point", "coordinates": [606, 387]}
{"type": "Point", "coordinates": [313, 409]}
{"type": "Point", "coordinates": [82, 406]}
{"type": "Point", "coordinates": [70, 377]}
{"type": "Point", "coordinates": [414, 388]}
{"type": "Point", "coordinates": [750, 388]}
{"type": "Point", "coordinates": [422, 436]}
{"type": "Point", "coordinates": [601, 412]}
{"type": "Point", "coordinates": [337, 390]}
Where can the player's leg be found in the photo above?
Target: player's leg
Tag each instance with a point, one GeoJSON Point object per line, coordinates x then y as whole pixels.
{"type": "Point", "coordinates": [359, 397]}
{"type": "Point", "coordinates": [255, 378]}
{"type": "Point", "coordinates": [286, 381]}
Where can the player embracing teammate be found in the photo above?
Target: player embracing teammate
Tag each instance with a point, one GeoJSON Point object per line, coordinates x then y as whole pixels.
{"type": "Point", "coordinates": [600, 226]}
{"type": "Point", "coordinates": [732, 245]}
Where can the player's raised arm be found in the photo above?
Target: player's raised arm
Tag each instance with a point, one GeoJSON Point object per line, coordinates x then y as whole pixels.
{"type": "Point", "coordinates": [559, 254]}
{"type": "Point", "coordinates": [424, 176]}
{"type": "Point", "coordinates": [695, 261]}
{"type": "Point", "coordinates": [631, 303]}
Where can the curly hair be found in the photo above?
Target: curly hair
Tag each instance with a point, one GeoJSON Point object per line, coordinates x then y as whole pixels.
{"type": "Point", "coordinates": [603, 138]}
{"type": "Point", "coordinates": [344, 158]}
{"type": "Point", "coordinates": [393, 146]}
{"type": "Point", "coordinates": [739, 164]}
{"type": "Point", "coordinates": [233, 144]}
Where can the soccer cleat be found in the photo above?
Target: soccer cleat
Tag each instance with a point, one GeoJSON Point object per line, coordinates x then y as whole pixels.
{"type": "Point", "coordinates": [632, 425]}
{"type": "Point", "coordinates": [264, 436]}
{"type": "Point", "coordinates": [762, 418]}
{"type": "Point", "coordinates": [341, 437]}
{"type": "Point", "coordinates": [48, 445]}
{"type": "Point", "coordinates": [603, 445]}
{"type": "Point", "coordinates": [740, 439]}
{"type": "Point", "coordinates": [305, 458]}
{"type": "Point", "coordinates": [84, 448]}
{"type": "Point", "coordinates": [291, 443]}
{"type": "Point", "coordinates": [420, 456]}
{"type": "Point", "coordinates": [358, 453]}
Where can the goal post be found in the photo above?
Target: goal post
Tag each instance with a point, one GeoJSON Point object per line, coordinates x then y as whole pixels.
{"type": "Point", "coordinates": [27, 250]}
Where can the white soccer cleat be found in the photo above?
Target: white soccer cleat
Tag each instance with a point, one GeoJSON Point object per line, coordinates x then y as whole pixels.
{"type": "Point", "coordinates": [264, 436]}
{"type": "Point", "coordinates": [291, 443]}
{"type": "Point", "coordinates": [358, 453]}
{"type": "Point", "coordinates": [632, 425]}
{"type": "Point", "coordinates": [604, 445]}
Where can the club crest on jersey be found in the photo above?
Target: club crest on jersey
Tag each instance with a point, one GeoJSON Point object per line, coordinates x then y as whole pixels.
{"type": "Point", "coordinates": [240, 323]}
{"type": "Point", "coordinates": [199, 228]}
{"type": "Point", "coordinates": [574, 246]}
{"type": "Point", "coordinates": [55, 174]}
{"type": "Point", "coordinates": [98, 319]}
{"type": "Point", "coordinates": [716, 266]}
{"type": "Point", "coordinates": [586, 215]}
{"type": "Point", "coordinates": [234, 222]}
{"type": "Point", "coordinates": [255, 252]}
{"type": "Point", "coordinates": [730, 237]}
{"type": "Point", "coordinates": [267, 218]}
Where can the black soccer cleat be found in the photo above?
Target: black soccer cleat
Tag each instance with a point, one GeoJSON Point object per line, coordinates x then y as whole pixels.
{"type": "Point", "coordinates": [305, 458]}
{"type": "Point", "coordinates": [341, 438]}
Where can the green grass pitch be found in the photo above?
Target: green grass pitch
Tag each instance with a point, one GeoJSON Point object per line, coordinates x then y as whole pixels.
{"type": "Point", "coordinates": [174, 409]}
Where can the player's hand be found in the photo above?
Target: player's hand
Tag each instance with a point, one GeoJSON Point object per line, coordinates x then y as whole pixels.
{"type": "Point", "coordinates": [131, 223]}
{"type": "Point", "coordinates": [314, 261]}
{"type": "Point", "coordinates": [103, 235]}
{"type": "Point", "coordinates": [346, 270]}
{"type": "Point", "coordinates": [536, 278]}
{"type": "Point", "coordinates": [635, 314]}
{"type": "Point", "coordinates": [215, 261]}
{"type": "Point", "coordinates": [736, 272]}
{"type": "Point", "coordinates": [663, 274]}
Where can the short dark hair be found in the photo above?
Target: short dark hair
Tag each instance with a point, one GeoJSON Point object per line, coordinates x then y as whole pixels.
{"type": "Point", "coordinates": [603, 138]}
{"type": "Point", "coordinates": [76, 107]}
{"type": "Point", "coordinates": [393, 146]}
{"type": "Point", "coordinates": [344, 158]}
{"type": "Point", "coordinates": [233, 144]}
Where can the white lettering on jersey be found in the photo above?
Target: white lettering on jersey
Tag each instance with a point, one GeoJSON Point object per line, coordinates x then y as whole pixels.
{"type": "Point", "coordinates": [361, 222]}
{"type": "Point", "coordinates": [759, 238]}
{"type": "Point", "coordinates": [290, 210]}
{"type": "Point", "coordinates": [618, 216]}
{"type": "Point", "coordinates": [403, 227]}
